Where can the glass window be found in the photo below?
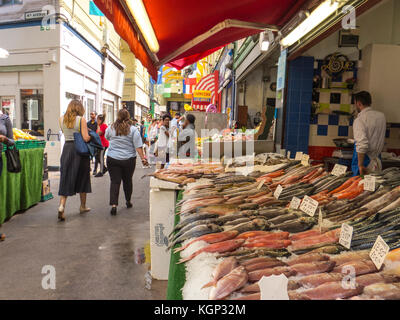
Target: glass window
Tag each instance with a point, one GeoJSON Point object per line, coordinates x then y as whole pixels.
{"type": "Point", "coordinates": [32, 111]}
{"type": "Point", "coordinates": [108, 110]}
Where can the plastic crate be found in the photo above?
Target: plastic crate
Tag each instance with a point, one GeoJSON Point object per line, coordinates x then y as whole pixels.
{"type": "Point", "coordinates": [28, 144]}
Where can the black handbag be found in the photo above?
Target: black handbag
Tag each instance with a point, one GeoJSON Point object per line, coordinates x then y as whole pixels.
{"type": "Point", "coordinates": [13, 160]}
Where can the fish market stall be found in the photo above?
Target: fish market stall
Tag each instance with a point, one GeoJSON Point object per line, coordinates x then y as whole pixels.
{"type": "Point", "coordinates": [299, 222]}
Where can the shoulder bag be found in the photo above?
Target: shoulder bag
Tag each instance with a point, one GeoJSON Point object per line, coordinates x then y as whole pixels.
{"type": "Point", "coordinates": [13, 160]}
{"type": "Point", "coordinates": [81, 146]}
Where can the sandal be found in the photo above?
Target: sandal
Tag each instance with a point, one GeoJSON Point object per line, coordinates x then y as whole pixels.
{"type": "Point", "coordinates": [61, 216]}
{"type": "Point", "coordinates": [83, 210]}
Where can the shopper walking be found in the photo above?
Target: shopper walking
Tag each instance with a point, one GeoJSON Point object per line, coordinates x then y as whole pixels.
{"type": "Point", "coordinates": [74, 168]}
{"type": "Point", "coordinates": [125, 142]}
{"type": "Point", "coordinates": [92, 124]}
{"type": "Point", "coordinates": [163, 140]}
{"type": "Point", "coordinates": [100, 154]}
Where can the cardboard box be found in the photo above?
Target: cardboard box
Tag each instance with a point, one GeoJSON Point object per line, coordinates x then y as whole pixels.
{"type": "Point", "coordinates": [45, 188]}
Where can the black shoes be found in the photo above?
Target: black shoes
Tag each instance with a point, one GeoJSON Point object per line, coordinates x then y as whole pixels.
{"type": "Point", "coordinates": [129, 205]}
{"type": "Point", "coordinates": [113, 211]}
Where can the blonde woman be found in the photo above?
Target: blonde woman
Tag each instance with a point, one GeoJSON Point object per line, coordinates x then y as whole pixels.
{"type": "Point", "coordinates": [75, 169]}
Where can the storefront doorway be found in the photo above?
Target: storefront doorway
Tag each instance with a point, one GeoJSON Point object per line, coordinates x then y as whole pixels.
{"type": "Point", "coordinates": [32, 110]}
{"type": "Point", "coordinates": [7, 106]}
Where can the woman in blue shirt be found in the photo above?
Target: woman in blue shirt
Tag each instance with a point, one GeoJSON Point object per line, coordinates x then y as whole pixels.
{"type": "Point", "coordinates": [125, 141]}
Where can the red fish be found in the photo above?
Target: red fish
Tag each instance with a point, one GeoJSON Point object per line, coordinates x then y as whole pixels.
{"type": "Point", "coordinates": [211, 238]}
{"type": "Point", "coordinates": [218, 247]}
{"type": "Point", "coordinates": [258, 274]}
{"type": "Point", "coordinates": [313, 267]}
{"type": "Point", "coordinates": [251, 288]}
{"type": "Point", "coordinates": [304, 234]}
{"type": "Point", "coordinates": [360, 267]}
{"type": "Point", "coordinates": [264, 265]}
{"type": "Point", "coordinates": [253, 296]}
{"type": "Point", "coordinates": [270, 236]}
{"type": "Point", "coordinates": [221, 270]}
{"type": "Point", "coordinates": [271, 244]}
{"type": "Point", "coordinates": [314, 280]}
{"type": "Point", "coordinates": [326, 291]}
{"type": "Point", "coordinates": [233, 281]}
{"type": "Point", "coordinates": [257, 260]}
{"type": "Point", "coordinates": [308, 257]}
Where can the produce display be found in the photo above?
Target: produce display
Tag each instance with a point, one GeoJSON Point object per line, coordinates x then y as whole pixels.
{"type": "Point", "coordinates": [236, 229]}
{"type": "Point", "coordinates": [19, 134]}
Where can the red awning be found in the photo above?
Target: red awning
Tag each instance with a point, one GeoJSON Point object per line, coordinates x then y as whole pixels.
{"type": "Point", "coordinates": [186, 29]}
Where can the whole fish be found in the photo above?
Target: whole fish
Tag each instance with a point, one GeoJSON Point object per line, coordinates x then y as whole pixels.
{"type": "Point", "coordinates": [220, 209]}
{"type": "Point", "coordinates": [326, 291]}
{"type": "Point", "coordinates": [233, 281]}
{"type": "Point", "coordinates": [248, 206]}
{"type": "Point", "coordinates": [221, 270]}
{"type": "Point", "coordinates": [251, 288]}
{"type": "Point", "coordinates": [253, 296]}
{"type": "Point", "coordinates": [360, 267]}
{"type": "Point", "coordinates": [237, 221]}
{"type": "Point", "coordinates": [312, 267]}
{"type": "Point", "coordinates": [256, 224]}
{"type": "Point", "coordinates": [308, 257]}
{"type": "Point", "coordinates": [245, 254]}
{"type": "Point", "coordinates": [211, 238]}
{"type": "Point", "coordinates": [386, 291]}
{"type": "Point", "coordinates": [350, 256]}
{"type": "Point", "coordinates": [194, 233]}
{"type": "Point", "coordinates": [314, 280]}
{"type": "Point", "coordinates": [264, 265]}
{"type": "Point", "coordinates": [194, 217]}
{"type": "Point", "coordinates": [282, 218]}
{"type": "Point", "coordinates": [220, 247]}
{"type": "Point", "coordinates": [258, 274]}
{"type": "Point", "coordinates": [190, 226]}
{"type": "Point", "coordinates": [297, 225]}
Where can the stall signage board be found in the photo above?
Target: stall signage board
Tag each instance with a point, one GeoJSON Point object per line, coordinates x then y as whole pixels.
{"type": "Point", "coordinates": [295, 203]}
{"type": "Point", "coordinates": [278, 191]}
{"type": "Point", "coordinates": [369, 183]}
{"type": "Point", "coordinates": [309, 206]}
{"type": "Point", "coordinates": [346, 234]}
{"type": "Point", "coordinates": [274, 287]}
{"type": "Point", "coordinates": [305, 160]}
{"type": "Point", "coordinates": [339, 170]}
{"type": "Point", "coordinates": [299, 156]}
{"type": "Point", "coordinates": [378, 252]}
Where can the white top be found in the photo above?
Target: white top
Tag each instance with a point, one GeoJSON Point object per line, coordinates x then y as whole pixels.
{"type": "Point", "coordinates": [162, 137]}
{"type": "Point", "coordinates": [369, 132]}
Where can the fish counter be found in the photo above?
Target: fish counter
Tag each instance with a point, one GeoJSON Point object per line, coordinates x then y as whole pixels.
{"type": "Point", "coordinates": [329, 235]}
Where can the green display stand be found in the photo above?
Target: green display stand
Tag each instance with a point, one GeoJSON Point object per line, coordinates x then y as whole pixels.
{"type": "Point", "coordinates": [19, 191]}
{"type": "Point", "coordinates": [177, 272]}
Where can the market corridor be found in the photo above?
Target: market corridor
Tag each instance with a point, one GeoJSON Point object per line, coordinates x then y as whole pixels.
{"type": "Point", "coordinates": [93, 254]}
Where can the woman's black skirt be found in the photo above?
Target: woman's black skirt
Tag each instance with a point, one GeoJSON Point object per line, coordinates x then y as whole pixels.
{"type": "Point", "coordinates": [75, 172]}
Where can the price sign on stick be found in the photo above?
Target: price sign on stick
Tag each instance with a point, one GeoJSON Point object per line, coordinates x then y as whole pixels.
{"type": "Point", "coordinates": [274, 287]}
{"type": "Point", "coordinates": [299, 155]}
{"type": "Point", "coordinates": [278, 191]}
{"type": "Point", "coordinates": [305, 160]}
{"type": "Point", "coordinates": [379, 252]}
{"type": "Point", "coordinates": [346, 234]}
{"type": "Point", "coordinates": [288, 154]}
{"type": "Point", "coordinates": [295, 203]}
{"type": "Point", "coordinates": [309, 206]}
{"type": "Point", "coordinates": [369, 183]}
{"type": "Point", "coordinates": [339, 170]}
{"type": "Point", "coordinates": [260, 184]}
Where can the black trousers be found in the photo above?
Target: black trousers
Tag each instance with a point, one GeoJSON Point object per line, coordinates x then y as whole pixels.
{"type": "Point", "coordinates": [99, 159]}
{"type": "Point", "coordinates": [121, 170]}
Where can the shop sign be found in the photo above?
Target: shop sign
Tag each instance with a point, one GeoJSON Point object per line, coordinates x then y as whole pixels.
{"type": "Point", "coordinates": [280, 82]}
{"type": "Point", "coordinates": [202, 94]}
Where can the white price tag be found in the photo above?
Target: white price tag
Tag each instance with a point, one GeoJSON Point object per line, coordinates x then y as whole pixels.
{"type": "Point", "coordinates": [260, 184]}
{"type": "Point", "coordinates": [278, 191]}
{"type": "Point", "coordinates": [320, 220]}
{"type": "Point", "coordinates": [295, 203]}
{"type": "Point", "coordinates": [346, 234]}
{"type": "Point", "coordinates": [369, 183]}
{"type": "Point", "coordinates": [309, 206]}
{"type": "Point", "coordinates": [305, 160]}
{"type": "Point", "coordinates": [339, 170]}
{"type": "Point", "coordinates": [299, 155]}
{"type": "Point", "coordinates": [274, 287]}
{"type": "Point", "coordinates": [288, 154]}
{"type": "Point", "coordinates": [379, 252]}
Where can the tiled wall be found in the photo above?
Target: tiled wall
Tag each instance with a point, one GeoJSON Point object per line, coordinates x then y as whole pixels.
{"type": "Point", "coordinates": [298, 105]}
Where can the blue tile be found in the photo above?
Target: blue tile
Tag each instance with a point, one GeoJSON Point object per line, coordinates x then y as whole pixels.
{"type": "Point", "coordinates": [295, 107]}
{"type": "Point", "coordinates": [333, 120]}
{"type": "Point", "coordinates": [292, 140]}
{"type": "Point", "coordinates": [314, 119]}
{"type": "Point", "coordinates": [306, 96]}
{"type": "Point", "coordinates": [305, 107]}
{"type": "Point", "coordinates": [304, 118]}
{"type": "Point", "coordinates": [322, 130]}
{"type": "Point", "coordinates": [343, 131]}
{"type": "Point", "coordinates": [387, 135]}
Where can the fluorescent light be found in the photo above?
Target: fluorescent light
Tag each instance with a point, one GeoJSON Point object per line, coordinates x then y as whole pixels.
{"type": "Point", "coordinates": [139, 13]}
{"type": "Point", "coordinates": [323, 11]}
{"type": "Point", "coordinates": [3, 53]}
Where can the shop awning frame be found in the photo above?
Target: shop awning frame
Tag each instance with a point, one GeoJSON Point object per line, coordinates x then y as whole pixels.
{"type": "Point", "coordinates": [228, 23]}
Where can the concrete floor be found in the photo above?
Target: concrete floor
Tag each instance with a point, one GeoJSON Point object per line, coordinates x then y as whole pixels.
{"type": "Point", "coordinates": [93, 253]}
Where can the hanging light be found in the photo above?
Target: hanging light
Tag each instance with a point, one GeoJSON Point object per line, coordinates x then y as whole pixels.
{"type": "Point", "coordinates": [323, 11]}
{"type": "Point", "coordinates": [139, 13]}
{"type": "Point", "coordinates": [3, 53]}
{"type": "Point", "coordinates": [265, 40]}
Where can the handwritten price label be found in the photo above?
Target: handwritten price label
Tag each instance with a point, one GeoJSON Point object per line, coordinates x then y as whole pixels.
{"type": "Point", "coordinates": [260, 184]}
{"type": "Point", "coordinates": [369, 183]}
{"type": "Point", "coordinates": [339, 170]}
{"type": "Point", "coordinates": [278, 191]}
{"type": "Point", "coordinates": [288, 154]}
{"type": "Point", "coordinates": [346, 234]}
{"type": "Point", "coordinates": [299, 155]}
{"type": "Point", "coordinates": [320, 220]}
{"type": "Point", "coordinates": [305, 160]}
{"type": "Point", "coordinates": [379, 252]}
{"type": "Point", "coordinates": [309, 206]}
{"type": "Point", "coordinates": [295, 203]}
